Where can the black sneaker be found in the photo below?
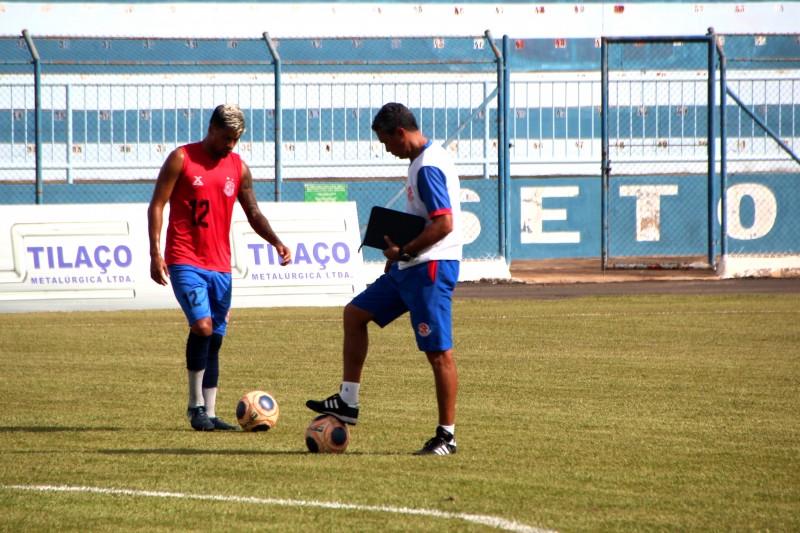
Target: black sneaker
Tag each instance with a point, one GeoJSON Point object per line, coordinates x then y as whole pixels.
{"type": "Point", "coordinates": [199, 419]}
{"type": "Point", "coordinates": [221, 425]}
{"type": "Point", "coordinates": [442, 444]}
{"type": "Point", "coordinates": [335, 406]}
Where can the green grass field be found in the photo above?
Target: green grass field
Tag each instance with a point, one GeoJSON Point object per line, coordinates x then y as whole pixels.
{"type": "Point", "coordinates": [670, 413]}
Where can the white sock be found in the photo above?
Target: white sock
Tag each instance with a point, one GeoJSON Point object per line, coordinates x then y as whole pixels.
{"type": "Point", "coordinates": [196, 387]}
{"type": "Point", "coordinates": [349, 392]}
{"type": "Point", "coordinates": [451, 430]}
{"type": "Point", "coordinates": [210, 397]}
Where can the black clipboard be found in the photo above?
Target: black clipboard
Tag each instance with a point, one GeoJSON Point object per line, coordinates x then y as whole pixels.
{"type": "Point", "coordinates": [401, 227]}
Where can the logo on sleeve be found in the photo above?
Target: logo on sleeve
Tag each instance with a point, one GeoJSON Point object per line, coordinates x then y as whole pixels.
{"type": "Point", "coordinates": [423, 329]}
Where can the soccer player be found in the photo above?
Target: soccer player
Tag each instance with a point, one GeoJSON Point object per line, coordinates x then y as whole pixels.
{"type": "Point", "coordinates": [202, 181]}
{"type": "Point", "coordinates": [418, 278]}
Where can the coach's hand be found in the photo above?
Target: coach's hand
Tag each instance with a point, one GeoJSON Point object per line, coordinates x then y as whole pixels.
{"type": "Point", "coordinates": [392, 251]}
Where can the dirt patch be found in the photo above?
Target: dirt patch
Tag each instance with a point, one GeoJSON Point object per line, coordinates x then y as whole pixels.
{"type": "Point", "coordinates": [573, 278]}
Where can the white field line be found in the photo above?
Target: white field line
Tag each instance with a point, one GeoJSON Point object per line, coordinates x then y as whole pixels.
{"type": "Point", "coordinates": [486, 520]}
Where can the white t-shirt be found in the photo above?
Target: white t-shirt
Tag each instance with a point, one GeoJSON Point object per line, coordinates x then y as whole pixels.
{"type": "Point", "coordinates": [433, 189]}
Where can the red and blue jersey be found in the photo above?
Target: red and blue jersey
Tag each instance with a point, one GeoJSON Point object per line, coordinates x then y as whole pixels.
{"type": "Point", "coordinates": [200, 210]}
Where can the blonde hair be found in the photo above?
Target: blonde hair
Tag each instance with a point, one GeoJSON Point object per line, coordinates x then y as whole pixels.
{"type": "Point", "coordinates": [228, 116]}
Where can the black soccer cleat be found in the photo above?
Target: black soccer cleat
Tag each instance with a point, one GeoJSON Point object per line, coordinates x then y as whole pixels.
{"type": "Point", "coordinates": [442, 444]}
{"type": "Point", "coordinates": [221, 425]}
{"type": "Point", "coordinates": [198, 418]}
{"type": "Point", "coordinates": [335, 406]}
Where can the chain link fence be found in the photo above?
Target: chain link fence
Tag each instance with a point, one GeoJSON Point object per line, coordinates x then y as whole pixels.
{"type": "Point", "coordinates": [761, 135]}
{"type": "Point", "coordinates": [92, 120]}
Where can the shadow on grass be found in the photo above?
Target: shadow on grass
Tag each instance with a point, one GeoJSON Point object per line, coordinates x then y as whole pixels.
{"type": "Point", "coordinates": [188, 451]}
{"type": "Point", "coordinates": [51, 429]}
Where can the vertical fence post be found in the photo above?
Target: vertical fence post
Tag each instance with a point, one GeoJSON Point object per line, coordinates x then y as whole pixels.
{"type": "Point", "coordinates": [604, 164]}
{"type": "Point", "coordinates": [723, 152]}
{"type": "Point", "coordinates": [37, 81]}
{"type": "Point", "coordinates": [712, 70]}
{"type": "Point", "coordinates": [68, 106]}
{"type": "Point", "coordinates": [506, 146]}
{"type": "Point", "coordinates": [278, 116]}
{"type": "Point", "coordinates": [501, 141]}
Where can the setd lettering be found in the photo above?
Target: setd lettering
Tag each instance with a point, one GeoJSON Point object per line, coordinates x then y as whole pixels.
{"type": "Point", "coordinates": [59, 257]}
{"type": "Point", "coordinates": [648, 208]}
{"type": "Point", "coordinates": [534, 215]}
{"type": "Point", "coordinates": [319, 253]}
{"type": "Point", "coordinates": [763, 205]}
{"type": "Point", "coordinates": [761, 200]}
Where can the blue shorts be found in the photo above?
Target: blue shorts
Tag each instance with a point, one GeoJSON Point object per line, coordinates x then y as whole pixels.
{"type": "Point", "coordinates": [426, 291]}
{"type": "Point", "coordinates": [202, 294]}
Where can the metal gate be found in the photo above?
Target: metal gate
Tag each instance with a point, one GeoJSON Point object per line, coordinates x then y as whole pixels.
{"type": "Point", "coordinates": [658, 115]}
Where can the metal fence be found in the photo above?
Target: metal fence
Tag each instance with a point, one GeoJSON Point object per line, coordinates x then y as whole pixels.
{"type": "Point", "coordinates": [96, 115]}
{"type": "Point", "coordinates": [92, 120]}
{"type": "Point", "coordinates": [99, 116]}
{"type": "Point", "coordinates": [760, 166]}
{"type": "Point", "coordinates": [123, 130]}
{"type": "Point", "coordinates": [693, 171]}
{"type": "Point", "coordinates": [554, 124]}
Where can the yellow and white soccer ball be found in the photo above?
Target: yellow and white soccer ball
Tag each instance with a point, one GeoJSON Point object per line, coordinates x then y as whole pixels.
{"type": "Point", "coordinates": [257, 411]}
{"type": "Point", "coordinates": [327, 434]}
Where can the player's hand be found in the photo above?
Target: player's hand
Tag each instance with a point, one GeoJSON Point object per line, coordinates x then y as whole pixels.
{"type": "Point", "coordinates": [158, 270]}
{"type": "Point", "coordinates": [285, 254]}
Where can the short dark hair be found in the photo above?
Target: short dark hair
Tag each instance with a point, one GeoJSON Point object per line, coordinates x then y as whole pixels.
{"type": "Point", "coordinates": [392, 116]}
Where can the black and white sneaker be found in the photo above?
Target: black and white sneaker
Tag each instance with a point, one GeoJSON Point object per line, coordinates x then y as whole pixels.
{"type": "Point", "coordinates": [198, 418]}
{"type": "Point", "coordinates": [221, 425]}
{"type": "Point", "coordinates": [335, 406]}
{"type": "Point", "coordinates": [442, 444]}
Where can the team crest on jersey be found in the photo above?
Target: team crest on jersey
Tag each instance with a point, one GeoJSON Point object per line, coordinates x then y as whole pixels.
{"type": "Point", "coordinates": [230, 187]}
{"type": "Point", "coordinates": [198, 181]}
{"type": "Point", "coordinates": [423, 329]}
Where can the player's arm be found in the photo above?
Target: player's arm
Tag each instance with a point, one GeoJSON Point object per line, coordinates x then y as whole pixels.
{"type": "Point", "coordinates": [167, 177]}
{"type": "Point", "coordinates": [247, 199]}
{"type": "Point", "coordinates": [438, 229]}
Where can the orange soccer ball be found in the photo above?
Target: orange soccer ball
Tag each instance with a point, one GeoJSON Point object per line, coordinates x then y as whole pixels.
{"type": "Point", "coordinates": [327, 434]}
{"type": "Point", "coordinates": [257, 411]}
